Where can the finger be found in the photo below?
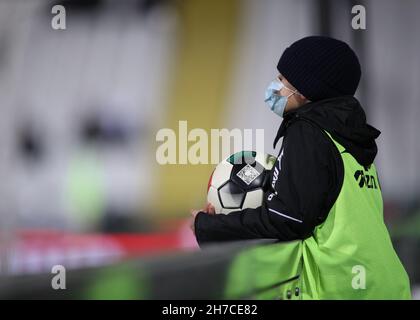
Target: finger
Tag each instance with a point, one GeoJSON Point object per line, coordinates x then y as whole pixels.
{"type": "Point", "coordinates": [207, 207]}
{"type": "Point", "coordinates": [211, 209]}
{"type": "Point", "coordinates": [192, 226]}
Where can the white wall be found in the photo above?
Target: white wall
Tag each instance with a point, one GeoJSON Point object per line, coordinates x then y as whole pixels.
{"type": "Point", "coordinates": [393, 71]}
{"type": "Point", "coordinates": [113, 63]}
{"type": "Point", "coordinates": [267, 27]}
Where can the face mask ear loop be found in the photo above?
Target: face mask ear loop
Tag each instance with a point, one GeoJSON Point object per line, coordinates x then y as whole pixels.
{"type": "Point", "coordinates": [293, 92]}
{"type": "Point", "coordinates": [283, 86]}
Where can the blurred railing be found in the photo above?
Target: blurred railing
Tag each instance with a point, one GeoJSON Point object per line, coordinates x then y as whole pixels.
{"type": "Point", "coordinates": [240, 270]}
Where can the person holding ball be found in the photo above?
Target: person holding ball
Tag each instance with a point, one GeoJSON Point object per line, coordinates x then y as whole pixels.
{"type": "Point", "coordinates": [324, 188]}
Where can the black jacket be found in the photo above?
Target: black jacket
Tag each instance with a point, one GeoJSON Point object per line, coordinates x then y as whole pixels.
{"type": "Point", "coordinates": [306, 178]}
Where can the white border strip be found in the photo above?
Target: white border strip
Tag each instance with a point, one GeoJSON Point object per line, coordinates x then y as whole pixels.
{"type": "Point", "coordinates": [283, 215]}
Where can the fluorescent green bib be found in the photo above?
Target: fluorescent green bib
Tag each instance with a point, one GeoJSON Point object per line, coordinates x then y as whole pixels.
{"type": "Point", "coordinates": [350, 255]}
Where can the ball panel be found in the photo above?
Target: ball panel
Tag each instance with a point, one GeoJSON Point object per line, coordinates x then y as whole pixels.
{"type": "Point", "coordinates": [242, 157]}
{"type": "Point", "coordinates": [213, 198]}
{"type": "Point", "coordinates": [210, 181]}
{"type": "Point", "coordinates": [266, 160]}
{"type": "Point", "coordinates": [253, 199]}
{"type": "Point", "coordinates": [231, 195]}
{"type": "Point", "coordinates": [221, 174]}
{"type": "Point", "coordinates": [226, 211]}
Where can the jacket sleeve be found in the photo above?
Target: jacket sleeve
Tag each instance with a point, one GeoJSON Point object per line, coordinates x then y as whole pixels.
{"type": "Point", "coordinates": [238, 225]}
{"type": "Point", "coordinates": [304, 182]}
{"type": "Point", "coordinates": [303, 185]}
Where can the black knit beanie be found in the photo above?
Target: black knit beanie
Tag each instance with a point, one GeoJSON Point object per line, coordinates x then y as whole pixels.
{"type": "Point", "coordinates": [321, 67]}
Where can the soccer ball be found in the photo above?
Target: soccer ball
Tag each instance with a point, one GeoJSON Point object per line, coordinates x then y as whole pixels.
{"type": "Point", "coordinates": [238, 181]}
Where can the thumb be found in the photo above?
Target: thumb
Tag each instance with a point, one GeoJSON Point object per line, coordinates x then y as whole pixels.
{"type": "Point", "coordinates": [210, 209]}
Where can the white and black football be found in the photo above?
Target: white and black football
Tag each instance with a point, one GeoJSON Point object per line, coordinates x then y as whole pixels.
{"type": "Point", "coordinates": [238, 181]}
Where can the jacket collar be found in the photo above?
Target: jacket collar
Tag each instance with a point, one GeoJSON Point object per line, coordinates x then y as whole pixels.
{"type": "Point", "coordinates": [289, 118]}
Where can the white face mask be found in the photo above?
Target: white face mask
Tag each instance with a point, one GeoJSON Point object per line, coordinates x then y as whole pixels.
{"type": "Point", "coordinates": [274, 100]}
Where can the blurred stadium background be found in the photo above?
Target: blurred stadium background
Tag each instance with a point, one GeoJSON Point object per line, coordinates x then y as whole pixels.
{"type": "Point", "coordinates": [80, 109]}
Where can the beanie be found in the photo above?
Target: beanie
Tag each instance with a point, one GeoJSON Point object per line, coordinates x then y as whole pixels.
{"type": "Point", "coordinates": [321, 67]}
